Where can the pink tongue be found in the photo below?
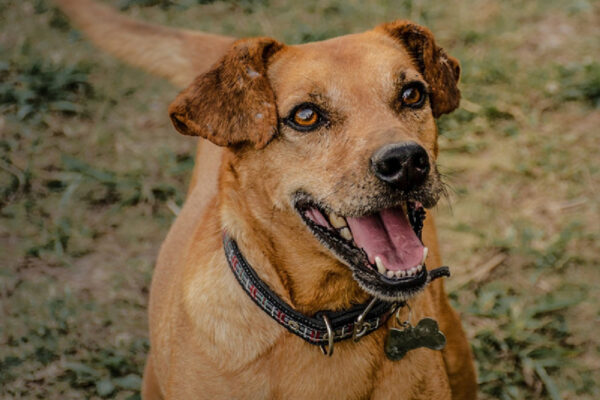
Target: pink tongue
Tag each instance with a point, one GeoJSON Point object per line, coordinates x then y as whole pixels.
{"type": "Point", "coordinates": [387, 234]}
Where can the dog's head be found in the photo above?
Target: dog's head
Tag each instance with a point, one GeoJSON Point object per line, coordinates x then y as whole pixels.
{"type": "Point", "coordinates": [332, 145]}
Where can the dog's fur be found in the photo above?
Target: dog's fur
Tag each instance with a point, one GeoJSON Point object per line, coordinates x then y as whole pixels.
{"type": "Point", "coordinates": [208, 339]}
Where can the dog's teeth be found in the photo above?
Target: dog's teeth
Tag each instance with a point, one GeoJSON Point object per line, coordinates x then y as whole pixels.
{"type": "Point", "coordinates": [419, 267]}
{"type": "Point", "coordinates": [337, 221]}
{"type": "Point", "coordinates": [390, 274]}
{"type": "Point", "coordinates": [380, 266]}
{"type": "Point", "coordinates": [413, 271]}
{"type": "Point", "coordinates": [402, 273]}
{"type": "Point", "coordinates": [399, 274]}
{"type": "Point", "coordinates": [425, 251]}
{"type": "Point", "coordinates": [346, 234]}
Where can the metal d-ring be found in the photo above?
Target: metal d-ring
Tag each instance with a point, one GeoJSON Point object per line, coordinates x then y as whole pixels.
{"type": "Point", "coordinates": [329, 350]}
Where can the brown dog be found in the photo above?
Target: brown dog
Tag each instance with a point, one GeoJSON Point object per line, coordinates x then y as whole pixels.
{"type": "Point", "coordinates": [328, 149]}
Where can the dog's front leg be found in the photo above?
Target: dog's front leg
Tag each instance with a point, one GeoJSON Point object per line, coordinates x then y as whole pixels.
{"type": "Point", "coordinates": [457, 353]}
{"type": "Point", "coordinates": [150, 387]}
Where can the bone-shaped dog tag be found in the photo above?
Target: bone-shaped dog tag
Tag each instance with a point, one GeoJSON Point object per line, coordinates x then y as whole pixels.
{"type": "Point", "coordinates": [425, 334]}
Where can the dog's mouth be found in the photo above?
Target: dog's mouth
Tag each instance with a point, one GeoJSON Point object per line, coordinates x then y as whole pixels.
{"type": "Point", "coordinates": [383, 249]}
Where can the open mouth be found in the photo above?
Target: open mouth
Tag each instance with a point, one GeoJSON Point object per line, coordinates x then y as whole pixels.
{"type": "Point", "coordinates": [383, 249]}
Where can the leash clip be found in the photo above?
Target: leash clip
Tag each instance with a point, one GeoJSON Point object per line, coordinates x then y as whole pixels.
{"type": "Point", "coordinates": [361, 327]}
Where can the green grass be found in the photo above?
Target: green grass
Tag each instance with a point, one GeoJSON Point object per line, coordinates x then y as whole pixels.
{"type": "Point", "coordinates": [90, 170]}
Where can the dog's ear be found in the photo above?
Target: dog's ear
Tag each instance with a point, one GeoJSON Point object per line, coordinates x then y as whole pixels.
{"type": "Point", "coordinates": [233, 103]}
{"type": "Point", "coordinates": [440, 70]}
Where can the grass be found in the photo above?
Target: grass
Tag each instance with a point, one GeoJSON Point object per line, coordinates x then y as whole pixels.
{"type": "Point", "coordinates": [90, 170]}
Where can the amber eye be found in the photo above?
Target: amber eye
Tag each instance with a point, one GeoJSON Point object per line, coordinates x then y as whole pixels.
{"type": "Point", "coordinates": [305, 117]}
{"type": "Point", "coordinates": [413, 95]}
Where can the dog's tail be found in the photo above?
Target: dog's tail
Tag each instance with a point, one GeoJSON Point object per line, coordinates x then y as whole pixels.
{"type": "Point", "coordinates": [175, 54]}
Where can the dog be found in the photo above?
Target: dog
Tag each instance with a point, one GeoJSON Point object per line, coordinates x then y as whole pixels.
{"type": "Point", "coordinates": [303, 226]}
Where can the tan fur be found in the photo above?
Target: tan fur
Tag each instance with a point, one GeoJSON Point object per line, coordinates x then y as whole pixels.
{"type": "Point", "coordinates": [233, 103]}
{"type": "Point", "coordinates": [208, 339]}
{"type": "Point", "coordinates": [439, 69]}
{"type": "Point", "coordinates": [176, 54]}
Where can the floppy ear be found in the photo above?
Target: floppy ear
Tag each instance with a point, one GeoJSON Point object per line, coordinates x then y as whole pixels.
{"type": "Point", "coordinates": [233, 103]}
{"type": "Point", "coordinates": [440, 70]}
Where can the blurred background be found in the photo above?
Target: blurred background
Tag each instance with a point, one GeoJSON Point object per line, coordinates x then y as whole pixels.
{"type": "Point", "coordinates": [92, 175]}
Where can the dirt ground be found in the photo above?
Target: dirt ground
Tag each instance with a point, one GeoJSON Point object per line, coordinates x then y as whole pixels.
{"type": "Point", "coordinates": [92, 174]}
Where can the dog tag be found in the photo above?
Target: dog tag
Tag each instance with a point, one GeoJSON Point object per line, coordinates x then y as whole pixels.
{"type": "Point", "coordinates": [425, 334]}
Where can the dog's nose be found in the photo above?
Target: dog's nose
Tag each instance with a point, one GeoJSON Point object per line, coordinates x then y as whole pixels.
{"type": "Point", "coordinates": [403, 165]}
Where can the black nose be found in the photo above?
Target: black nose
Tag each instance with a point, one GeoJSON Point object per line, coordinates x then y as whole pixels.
{"type": "Point", "coordinates": [404, 165]}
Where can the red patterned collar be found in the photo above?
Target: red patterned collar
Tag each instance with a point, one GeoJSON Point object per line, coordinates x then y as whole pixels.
{"type": "Point", "coordinates": [325, 327]}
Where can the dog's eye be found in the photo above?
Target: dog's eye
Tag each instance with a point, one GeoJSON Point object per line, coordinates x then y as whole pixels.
{"type": "Point", "coordinates": [305, 117]}
{"type": "Point", "coordinates": [413, 95]}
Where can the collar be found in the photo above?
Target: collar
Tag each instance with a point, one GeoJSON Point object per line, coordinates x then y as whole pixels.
{"type": "Point", "coordinates": [325, 327]}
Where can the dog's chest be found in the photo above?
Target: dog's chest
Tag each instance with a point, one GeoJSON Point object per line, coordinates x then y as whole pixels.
{"type": "Point", "coordinates": [355, 371]}
{"type": "Point", "coordinates": [292, 369]}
